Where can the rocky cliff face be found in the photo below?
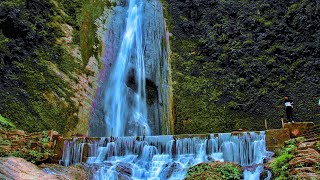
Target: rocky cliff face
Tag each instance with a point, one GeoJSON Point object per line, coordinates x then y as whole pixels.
{"type": "Point", "coordinates": [56, 56]}
{"type": "Point", "coordinates": [233, 61]}
{"type": "Point", "coordinates": [50, 61]}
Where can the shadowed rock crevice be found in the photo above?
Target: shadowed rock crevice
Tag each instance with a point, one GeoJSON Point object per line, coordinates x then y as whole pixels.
{"type": "Point", "coordinates": [152, 92]}
{"type": "Point", "coordinates": [151, 87]}
{"type": "Point", "coordinates": [132, 80]}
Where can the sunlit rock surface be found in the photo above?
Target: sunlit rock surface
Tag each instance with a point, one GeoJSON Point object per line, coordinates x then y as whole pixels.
{"type": "Point", "coordinates": [20, 169]}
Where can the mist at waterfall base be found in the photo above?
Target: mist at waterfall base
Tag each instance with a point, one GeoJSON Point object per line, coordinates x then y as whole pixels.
{"type": "Point", "coordinates": [166, 157]}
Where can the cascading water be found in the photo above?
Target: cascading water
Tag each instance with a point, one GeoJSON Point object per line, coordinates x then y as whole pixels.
{"type": "Point", "coordinates": [125, 153]}
{"type": "Point", "coordinates": [168, 157]}
{"type": "Point", "coordinates": [125, 97]}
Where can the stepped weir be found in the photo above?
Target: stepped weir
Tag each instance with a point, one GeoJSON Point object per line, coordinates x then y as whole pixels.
{"type": "Point", "coordinates": [164, 157]}
{"type": "Point", "coordinates": [169, 157]}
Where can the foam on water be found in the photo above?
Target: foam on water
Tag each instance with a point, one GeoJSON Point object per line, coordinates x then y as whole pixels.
{"type": "Point", "coordinates": [166, 157]}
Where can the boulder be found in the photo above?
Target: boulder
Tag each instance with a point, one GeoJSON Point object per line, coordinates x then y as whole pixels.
{"type": "Point", "coordinates": [303, 170]}
{"type": "Point", "coordinates": [18, 168]}
{"type": "Point", "coordinates": [295, 162]}
{"type": "Point", "coordinates": [306, 145]}
{"type": "Point", "coordinates": [308, 152]}
{"type": "Point", "coordinates": [307, 157]}
{"type": "Point", "coordinates": [124, 168]}
{"type": "Point", "coordinates": [307, 176]}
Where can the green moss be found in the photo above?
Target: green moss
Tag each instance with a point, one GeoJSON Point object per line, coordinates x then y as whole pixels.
{"type": "Point", "coordinates": [6, 124]}
{"type": "Point", "coordinates": [214, 171]}
{"type": "Point", "coordinates": [12, 3]}
{"type": "Point", "coordinates": [248, 58]}
{"type": "Point", "coordinates": [167, 15]}
{"type": "Point", "coordinates": [280, 165]}
{"type": "Point", "coordinates": [5, 142]}
{"type": "Point", "coordinates": [90, 11]}
{"type": "Point", "coordinates": [195, 95]}
{"type": "Point", "coordinates": [33, 154]}
{"type": "Point", "coordinates": [39, 94]}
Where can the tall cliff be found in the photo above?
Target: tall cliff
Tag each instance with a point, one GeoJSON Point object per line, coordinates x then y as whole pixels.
{"type": "Point", "coordinates": [50, 61]}
{"type": "Point", "coordinates": [56, 56]}
{"type": "Point", "coordinates": [234, 60]}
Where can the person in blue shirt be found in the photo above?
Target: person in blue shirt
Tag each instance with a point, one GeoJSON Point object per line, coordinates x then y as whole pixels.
{"type": "Point", "coordinates": [289, 108]}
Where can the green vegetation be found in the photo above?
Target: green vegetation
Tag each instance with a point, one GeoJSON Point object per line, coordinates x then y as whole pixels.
{"type": "Point", "coordinates": [34, 156]}
{"type": "Point", "coordinates": [36, 151]}
{"type": "Point", "coordinates": [232, 64]}
{"type": "Point", "coordinates": [6, 124]}
{"type": "Point", "coordinates": [214, 171]}
{"type": "Point", "coordinates": [166, 15]}
{"type": "Point", "coordinates": [197, 98]}
{"type": "Point", "coordinates": [37, 70]}
{"type": "Point", "coordinates": [280, 166]}
{"type": "Point", "coordinates": [5, 142]}
{"type": "Point", "coordinates": [91, 10]}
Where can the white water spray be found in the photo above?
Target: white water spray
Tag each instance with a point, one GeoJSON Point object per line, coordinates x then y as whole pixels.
{"type": "Point", "coordinates": [166, 157]}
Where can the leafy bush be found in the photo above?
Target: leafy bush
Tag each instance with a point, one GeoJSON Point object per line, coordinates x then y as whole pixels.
{"type": "Point", "coordinates": [295, 141]}
{"type": "Point", "coordinates": [214, 170]}
{"type": "Point", "coordinates": [34, 156]}
{"type": "Point", "coordinates": [280, 166]}
{"type": "Point", "coordinates": [289, 149]}
{"type": "Point", "coordinates": [229, 171]}
{"type": "Point", "coordinates": [198, 169]}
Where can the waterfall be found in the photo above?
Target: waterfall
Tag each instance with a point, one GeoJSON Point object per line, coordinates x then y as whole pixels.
{"type": "Point", "coordinates": [134, 93]}
{"type": "Point", "coordinates": [168, 157]}
{"type": "Point", "coordinates": [134, 106]}
{"type": "Point", "coordinates": [125, 96]}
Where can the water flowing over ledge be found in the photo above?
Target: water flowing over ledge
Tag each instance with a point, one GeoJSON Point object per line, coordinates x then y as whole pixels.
{"type": "Point", "coordinates": [165, 157]}
{"type": "Point", "coordinates": [133, 97]}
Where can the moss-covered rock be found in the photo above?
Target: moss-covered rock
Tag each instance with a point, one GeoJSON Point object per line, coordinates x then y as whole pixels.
{"type": "Point", "coordinates": [45, 48]}
{"type": "Point", "coordinates": [214, 171]}
{"type": "Point", "coordinates": [6, 124]}
{"type": "Point", "coordinates": [233, 61]}
{"type": "Point", "coordinates": [296, 160]}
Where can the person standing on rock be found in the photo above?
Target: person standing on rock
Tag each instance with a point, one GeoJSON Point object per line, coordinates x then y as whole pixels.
{"type": "Point", "coordinates": [289, 108]}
